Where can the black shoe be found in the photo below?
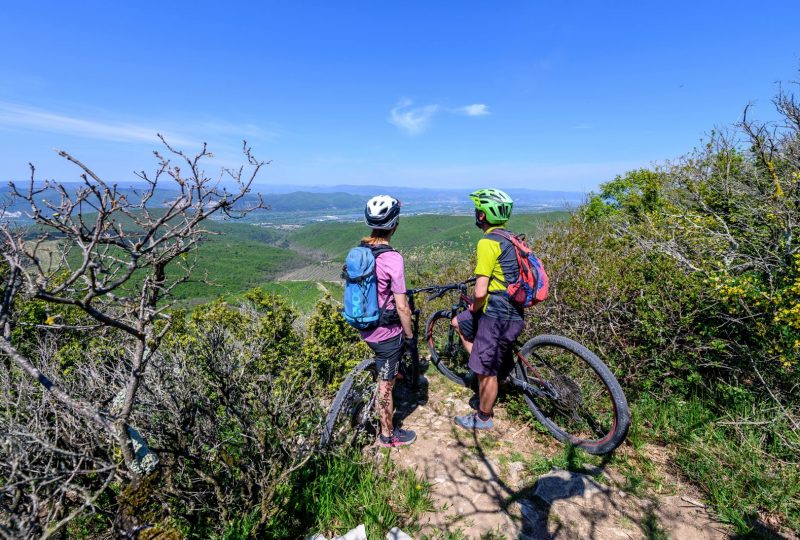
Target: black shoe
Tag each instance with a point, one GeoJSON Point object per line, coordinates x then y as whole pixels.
{"type": "Point", "coordinates": [399, 437]}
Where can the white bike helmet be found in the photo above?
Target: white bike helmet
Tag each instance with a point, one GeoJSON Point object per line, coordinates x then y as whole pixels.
{"type": "Point", "coordinates": [382, 212]}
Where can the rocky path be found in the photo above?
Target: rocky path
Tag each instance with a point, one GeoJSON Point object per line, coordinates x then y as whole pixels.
{"type": "Point", "coordinates": [487, 485]}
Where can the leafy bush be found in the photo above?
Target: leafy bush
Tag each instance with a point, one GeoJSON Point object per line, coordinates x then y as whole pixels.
{"type": "Point", "coordinates": [331, 347]}
{"type": "Point", "coordinates": [686, 279]}
{"type": "Point", "coordinates": [224, 408]}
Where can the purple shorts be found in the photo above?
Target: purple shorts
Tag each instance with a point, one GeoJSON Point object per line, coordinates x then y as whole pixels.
{"type": "Point", "coordinates": [492, 342]}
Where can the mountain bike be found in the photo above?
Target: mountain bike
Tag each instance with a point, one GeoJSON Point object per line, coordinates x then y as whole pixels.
{"type": "Point", "coordinates": [569, 390]}
{"type": "Point", "coordinates": [352, 418]}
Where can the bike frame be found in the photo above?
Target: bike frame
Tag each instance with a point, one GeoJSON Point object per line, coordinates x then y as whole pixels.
{"type": "Point", "coordinates": [437, 291]}
{"type": "Point", "coordinates": [415, 313]}
{"type": "Point", "coordinates": [542, 389]}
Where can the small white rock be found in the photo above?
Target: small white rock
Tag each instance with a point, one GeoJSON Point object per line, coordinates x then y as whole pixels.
{"type": "Point", "coordinates": [359, 533]}
{"type": "Point", "coordinates": [516, 467]}
{"type": "Point", "coordinates": [397, 534]}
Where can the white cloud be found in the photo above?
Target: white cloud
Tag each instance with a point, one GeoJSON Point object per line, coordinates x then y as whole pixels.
{"type": "Point", "coordinates": [412, 120]}
{"type": "Point", "coordinates": [415, 120]}
{"type": "Point", "coordinates": [476, 109]}
{"type": "Point", "coordinates": [13, 115]}
{"type": "Point", "coordinates": [24, 117]}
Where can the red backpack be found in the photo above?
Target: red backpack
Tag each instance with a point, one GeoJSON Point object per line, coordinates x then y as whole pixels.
{"type": "Point", "coordinates": [532, 285]}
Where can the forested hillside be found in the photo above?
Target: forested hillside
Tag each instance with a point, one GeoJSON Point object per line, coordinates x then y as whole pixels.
{"type": "Point", "coordinates": [456, 233]}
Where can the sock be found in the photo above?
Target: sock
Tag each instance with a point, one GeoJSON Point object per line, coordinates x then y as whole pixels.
{"type": "Point", "coordinates": [483, 416]}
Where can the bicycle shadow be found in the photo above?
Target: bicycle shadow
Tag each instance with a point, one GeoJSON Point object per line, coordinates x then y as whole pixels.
{"type": "Point", "coordinates": [407, 398]}
{"type": "Point", "coordinates": [580, 501]}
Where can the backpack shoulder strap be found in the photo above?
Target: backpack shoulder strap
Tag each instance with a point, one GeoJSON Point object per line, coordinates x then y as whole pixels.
{"type": "Point", "coordinates": [512, 239]}
{"type": "Point", "coordinates": [503, 233]}
{"type": "Point", "coordinates": [379, 249]}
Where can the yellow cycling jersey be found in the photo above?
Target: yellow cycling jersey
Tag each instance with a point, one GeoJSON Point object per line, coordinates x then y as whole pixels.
{"type": "Point", "coordinates": [488, 253]}
{"type": "Point", "coordinates": [497, 260]}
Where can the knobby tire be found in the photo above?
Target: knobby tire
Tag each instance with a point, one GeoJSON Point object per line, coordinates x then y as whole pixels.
{"type": "Point", "coordinates": [352, 418]}
{"type": "Point", "coordinates": [447, 352]}
{"type": "Point", "coordinates": [590, 410]}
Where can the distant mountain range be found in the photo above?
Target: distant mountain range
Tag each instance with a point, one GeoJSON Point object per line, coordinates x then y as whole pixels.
{"type": "Point", "coordinates": [520, 195]}
{"type": "Point", "coordinates": [304, 204]}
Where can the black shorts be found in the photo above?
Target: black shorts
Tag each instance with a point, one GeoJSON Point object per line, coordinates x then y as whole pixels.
{"type": "Point", "coordinates": [387, 356]}
{"type": "Point", "coordinates": [492, 342]}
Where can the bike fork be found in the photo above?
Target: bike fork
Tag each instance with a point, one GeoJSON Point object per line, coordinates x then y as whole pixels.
{"type": "Point", "coordinates": [415, 353]}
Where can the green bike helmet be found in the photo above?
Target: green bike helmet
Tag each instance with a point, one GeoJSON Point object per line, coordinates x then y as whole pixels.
{"type": "Point", "coordinates": [494, 203]}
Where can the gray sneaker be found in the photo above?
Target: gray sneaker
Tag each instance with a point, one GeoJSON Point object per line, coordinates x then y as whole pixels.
{"type": "Point", "coordinates": [472, 422]}
{"type": "Point", "coordinates": [399, 437]}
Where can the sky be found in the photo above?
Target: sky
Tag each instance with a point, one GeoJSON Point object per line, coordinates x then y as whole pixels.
{"type": "Point", "coordinates": [467, 94]}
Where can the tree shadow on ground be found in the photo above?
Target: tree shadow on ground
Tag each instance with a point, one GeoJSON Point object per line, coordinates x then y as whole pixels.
{"type": "Point", "coordinates": [535, 517]}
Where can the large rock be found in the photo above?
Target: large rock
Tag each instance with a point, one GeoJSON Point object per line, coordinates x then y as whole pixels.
{"type": "Point", "coordinates": [559, 484]}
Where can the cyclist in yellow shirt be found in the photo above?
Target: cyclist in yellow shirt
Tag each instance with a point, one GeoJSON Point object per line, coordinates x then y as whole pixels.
{"type": "Point", "coordinates": [492, 324]}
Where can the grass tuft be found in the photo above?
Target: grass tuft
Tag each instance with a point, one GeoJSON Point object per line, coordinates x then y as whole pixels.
{"type": "Point", "coordinates": [744, 461]}
{"type": "Point", "coordinates": [343, 491]}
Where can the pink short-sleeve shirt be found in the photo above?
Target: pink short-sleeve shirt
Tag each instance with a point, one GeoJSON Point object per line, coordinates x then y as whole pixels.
{"type": "Point", "coordinates": [391, 275]}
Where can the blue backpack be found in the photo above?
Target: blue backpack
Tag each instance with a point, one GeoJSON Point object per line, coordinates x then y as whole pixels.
{"type": "Point", "coordinates": [361, 308]}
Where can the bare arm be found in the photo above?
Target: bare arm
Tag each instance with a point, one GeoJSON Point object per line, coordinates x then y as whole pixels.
{"type": "Point", "coordinates": [404, 311]}
{"type": "Point", "coordinates": [481, 293]}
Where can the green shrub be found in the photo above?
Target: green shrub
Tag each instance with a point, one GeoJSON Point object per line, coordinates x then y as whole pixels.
{"type": "Point", "coordinates": [331, 347]}
{"type": "Point", "coordinates": [686, 281]}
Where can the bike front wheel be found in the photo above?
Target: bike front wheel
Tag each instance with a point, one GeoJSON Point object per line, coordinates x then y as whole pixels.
{"type": "Point", "coordinates": [572, 393]}
{"type": "Point", "coordinates": [352, 419]}
{"type": "Point", "coordinates": [447, 351]}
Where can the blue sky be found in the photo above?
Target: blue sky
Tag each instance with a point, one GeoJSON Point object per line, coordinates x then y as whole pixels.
{"type": "Point", "coordinates": [440, 94]}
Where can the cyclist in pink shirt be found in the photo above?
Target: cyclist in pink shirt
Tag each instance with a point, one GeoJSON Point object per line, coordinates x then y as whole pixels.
{"type": "Point", "coordinates": [388, 340]}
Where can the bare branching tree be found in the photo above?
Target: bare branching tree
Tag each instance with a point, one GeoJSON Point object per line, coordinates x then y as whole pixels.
{"type": "Point", "coordinates": [115, 255]}
{"type": "Point", "coordinates": [56, 464]}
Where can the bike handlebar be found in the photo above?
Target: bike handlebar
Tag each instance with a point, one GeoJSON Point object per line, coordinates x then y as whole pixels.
{"type": "Point", "coordinates": [440, 290]}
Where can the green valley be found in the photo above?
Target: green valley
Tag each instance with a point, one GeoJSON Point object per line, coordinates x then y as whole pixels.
{"type": "Point", "coordinates": [240, 256]}
{"type": "Point", "coordinates": [456, 232]}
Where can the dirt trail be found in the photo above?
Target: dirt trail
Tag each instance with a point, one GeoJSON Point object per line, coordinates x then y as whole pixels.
{"type": "Point", "coordinates": [482, 485]}
{"type": "Point", "coordinates": [320, 271]}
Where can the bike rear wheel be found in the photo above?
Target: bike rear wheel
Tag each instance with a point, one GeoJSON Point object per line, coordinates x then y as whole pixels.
{"type": "Point", "coordinates": [447, 351]}
{"type": "Point", "coordinates": [572, 393]}
{"type": "Point", "coordinates": [352, 419]}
